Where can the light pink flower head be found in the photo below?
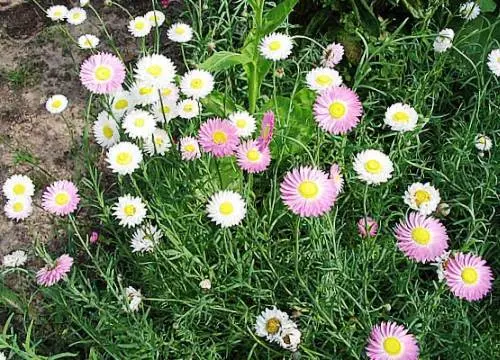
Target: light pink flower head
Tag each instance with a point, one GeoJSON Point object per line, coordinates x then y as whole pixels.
{"type": "Point", "coordinates": [369, 224]}
{"type": "Point", "coordinates": [338, 110]}
{"type": "Point", "coordinates": [189, 148]}
{"type": "Point", "coordinates": [308, 191]}
{"type": "Point", "coordinates": [51, 274]}
{"type": "Point", "coordinates": [102, 73]}
{"type": "Point", "coordinates": [421, 238]}
{"type": "Point", "coordinates": [61, 198]}
{"type": "Point", "coordinates": [251, 158]}
{"type": "Point", "coordinates": [332, 55]}
{"type": "Point", "coordinates": [266, 131]}
{"type": "Point", "coordinates": [337, 177]}
{"type": "Point", "coordinates": [390, 341]}
{"type": "Point", "coordinates": [468, 276]}
{"type": "Point", "coordinates": [218, 137]}
{"type": "Point", "coordinates": [94, 236]}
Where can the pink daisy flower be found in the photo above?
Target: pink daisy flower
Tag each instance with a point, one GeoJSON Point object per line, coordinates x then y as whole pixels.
{"type": "Point", "coordinates": [332, 55]}
{"type": "Point", "coordinates": [421, 238]}
{"type": "Point", "coordinates": [337, 177]}
{"type": "Point", "coordinates": [390, 341]}
{"type": "Point", "coordinates": [61, 198]}
{"type": "Point", "coordinates": [251, 158]}
{"type": "Point", "coordinates": [218, 137]}
{"type": "Point", "coordinates": [369, 224]}
{"type": "Point", "coordinates": [51, 274]}
{"type": "Point", "coordinates": [267, 129]}
{"type": "Point", "coordinates": [338, 110]}
{"type": "Point", "coordinates": [308, 191]}
{"type": "Point", "coordinates": [468, 276]}
{"type": "Point", "coordinates": [102, 73]}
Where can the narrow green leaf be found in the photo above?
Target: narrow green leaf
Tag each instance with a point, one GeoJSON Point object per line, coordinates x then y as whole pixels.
{"type": "Point", "coordinates": [224, 60]}
{"type": "Point", "coordinates": [11, 299]}
{"type": "Point", "coordinates": [276, 16]}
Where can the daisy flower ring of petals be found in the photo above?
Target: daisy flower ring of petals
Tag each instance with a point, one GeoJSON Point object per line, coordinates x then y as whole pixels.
{"type": "Point", "coordinates": [483, 142]}
{"type": "Point", "coordinates": [18, 185]}
{"type": "Point", "coordinates": [129, 210]}
{"type": "Point", "coordinates": [53, 273]}
{"type": "Point", "coordinates": [139, 124]}
{"type": "Point", "coordinates": [338, 110]}
{"type": "Point", "coordinates": [337, 178]}
{"type": "Point", "coordinates": [421, 238]}
{"type": "Point", "coordinates": [218, 137]}
{"type": "Point", "coordinates": [307, 191]}
{"type": "Point", "coordinates": [157, 70]}
{"type": "Point", "coordinates": [401, 117]}
{"type": "Point", "coordinates": [322, 78]}
{"type": "Point", "coordinates": [169, 92]}
{"type": "Point", "coordinates": [105, 130]}
{"type": "Point", "coordinates": [76, 16]}
{"type": "Point", "coordinates": [16, 259]}
{"type": "Point", "coordinates": [244, 122]}
{"type": "Point", "coordinates": [189, 148]}
{"type": "Point", "coordinates": [444, 40]}
{"type": "Point", "coordinates": [423, 198]}
{"type": "Point", "coordinates": [469, 10]}
{"type": "Point", "coordinates": [373, 166]}
{"type": "Point", "coordinates": [494, 61]}
{"type": "Point", "coordinates": [468, 276]}
{"type": "Point", "coordinates": [276, 46]}
{"type": "Point", "coordinates": [124, 158]}
{"type": "Point", "coordinates": [57, 12]}
{"type": "Point", "coordinates": [226, 208]}
{"type": "Point", "coordinates": [121, 102]}
{"type": "Point", "coordinates": [144, 93]}
{"type": "Point", "coordinates": [139, 26]}
{"type": "Point", "coordinates": [146, 238]}
{"type": "Point", "coordinates": [165, 110]}
{"type": "Point", "coordinates": [188, 109]}
{"type": "Point", "coordinates": [88, 41]}
{"type": "Point", "coordinates": [18, 208]}
{"type": "Point", "coordinates": [252, 159]}
{"type": "Point", "coordinates": [269, 324]}
{"type": "Point", "coordinates": [61, 198]}
{"type": "Point", "coordinates": [158, 143]}
{"type": "Point", "coordinates": [155, 18]}
{"type": "Point", "coordinates": [332, 55]}
{"type": "Point", "coordinates": [56, 104]}
{"type": "Point", "coordinates": [197, 84]}
{"type": "Point", "coordinates": [102, 73]}
{"type": "Point", "coordinates": [391, 341]}
{"type": "Point", "coordinates": [180, 33]}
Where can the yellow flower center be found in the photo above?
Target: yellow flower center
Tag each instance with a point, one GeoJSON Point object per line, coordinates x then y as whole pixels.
{"type": "Point", "coordinates": [189, 148]}
{"type": "Point", "coordinates": [166, 92]}
{"type": "Point", "coordinates": [373, 166]}
{"type": "Point", "coordinates": [401, 117]}
{"type": "Point", "coordinates": [124, 158]}
{"type": "Point", "coordinates": [76, 16]}
{"type": "Point", "coordinates": [180, 30]}
{"type": "Point", "coordinates": [226, 208]}
{"type": "Point", "coordinates": [139, 25]}
{"type": "Point", "coordinates": [154, 70]}
{"type": "Point", "coordinates": [56, 104]}
{"type": "Point", "coordinates": [88, 43]}
{"type": "Point", "coordinates": [324, 80]}
{"type": "Point", "coordinates": [241, 123]}
{"type": "Point", "coordinates": [337, 110]}
{"type": "Point", "coordinates": [107, 131]}
{"type": "Point", "coordinates": [469, 275]}
{"type": "Point", "coordinates": [145, 91]}
{"type": "Point", "coordinates": [139, 122]}
{"type": "Point", "coordinates": [166, 109]}
{"type": "Point", "coordinates": [188, 107]}
{"type": "Point", "coordinates": [274, 45]}
{"type": "Point", "coordinates": [129, 210]}
{"type": "Point", "coordinates": [219, 137]}
{"type": "Point", "coordinates": [253, 155]}
{"type": "Point", "coordinates": [58, 13]}
{"type": "Point", "coordinates": [273, 326]}
{"type": "Point", "coordinates": [18, 207]}
{"type": "Point", "coordinates": [196, 84]}
{"type": "Point", "coordinates": [159, 141]}
{"type": "Point", "coordinates": [422, 197]}
{"type": "Point", "coordinates": [62, 198]}
{"type": "Point", "coordinates": [102, 73]}
{"type": "Point", "coordinates": [392, 346]}
{"type": "Point", "coordinates": [481, 140]}
{"type": "Point", "coordinates": [121, 104]}
{"type": "Point", "coordinates": [19, 189]}
{"type": "Point", "coordinates": [308, 189]}
{"type": "Point", "coordinates": [421, 235]}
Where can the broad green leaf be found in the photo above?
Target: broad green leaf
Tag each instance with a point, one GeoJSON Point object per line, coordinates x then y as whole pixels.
{"type": "Point", "coordinates": [11, 299]}
{"type": "Point", "coordinates": [219, 104]}
{"type": "Point", "coordinates": [276, 16]}
{"type": "Point", "coordinates": [487, 5]}
{"type": "Point", "coordinates": [224, 60]}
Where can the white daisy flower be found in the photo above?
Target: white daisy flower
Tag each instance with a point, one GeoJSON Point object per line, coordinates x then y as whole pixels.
{"type": "Point", "coordinates": [197, 84]}
{"type": "Point", "coordinates": [76, 16]}
{"type": "Point", "coordinates": [189, 148]}
{"type": "Point", "coordinates": [180, 32]}
{"type": "Point", "coordinates": [18, 208]}
{"type": "Point", "coordinates": [323, 78]}
{"type": "Point", "coordinates": [269, 324]}
{"type": "Point", "coordinates": [57, 12]}
{"type": "Point", "coordinates": [139, 27]}
{"type": "Point", "coordinates": [444, 40]}
{"type": "Point", "coordinates": [423, 198]}
{"type": "Point", "coordinates": [440, 262]}
{"type": "Point", "coordinates": [18, 185]}
{"type": "Point", "coordinates": [226, 208]}
{"type": "Point", "coordinates": [144, 93]}
{"type": "Point", "coordinates": [483, 142]}
{"type": "Point", "coordinates": [134, 298]}
{"type": "Point", "coordinates": [146, 238]}
{"type": "Point", "coordinates": [155, 18]}
{"type": "Point", "coordinates": [494, 61]}
{"type": "Point", "coordinates": [2, 356]}
{"type": "Point", "coordinates": [290, 336]}
{"type": "Point", "coordinates": [469, 10]}
{"type": "Point", "coordinates": [124, 158]}
{"type": "Point", "coordinates": [205, 284]}
{"type": "Point", "coordinates": [373, 166]}
{"type": "Point", "coordinates": [105, 130]}
{"type": "Point", "coordinates": [188, 108]}
{"type": "Point", "coordinates": [16, 259]}
{"type": "Point", "coordinates": [401, 117]}
{"type": "Point", "coordinates": [88, 41]}
{"type": "Point", "coordinates": [156, 70]}
{"type": "Point", "coordinates": [276, 46]}
{"type": "Point", "coordinates": [159, 143]}
{"type": "Point", "coordinates": [139, 124]}
{"type": "Point", "coordinates": [121, 102]}
{"type": "Point", "coordinates": [129, 210]}
{"type": "Point", "coordinates": [169, 92]}
{"type": "Point", "coordinates": [56, 104]}
{"type": "Point", "coordinates": [165, 110]}
{"type": "Point", "coordinates": [244, 122]}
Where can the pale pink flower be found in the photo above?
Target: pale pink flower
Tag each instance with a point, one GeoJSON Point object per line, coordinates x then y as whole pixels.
{"type": "Point", "coordinates": [390, 341]}
{"type": "Point", "coordinates": [332, 55]}
{"type": "Point", "coordinates": [251, 158]}
{"type": "Point", "coordinates": [266, 131]}
{"type": "Point", "coordinates": [102, 73]}
{"type": "Point", "coordinates": [51, 274]}
{"type": "Point", "coordinates": [61, 198]}
{"type": "Point", "coordinates": [218, 137]}
{"type": "Point", "coordinates": [369, 224]}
